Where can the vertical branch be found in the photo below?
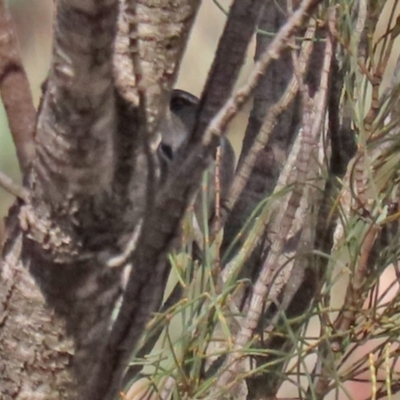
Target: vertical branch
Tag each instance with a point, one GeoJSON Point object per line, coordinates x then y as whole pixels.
{"type": "Point", "coordinates": [236, 101]}
{"type": "Point", "coordinates": [157, 37]}
{"type": "Point", "coordinates": [230, 55]}
{"type": "Point", "coordinates": [190, 168]}
{"type": "Point", "coordinates": [77, 120]}
{"type": "Point", "coordinates": [313, 113]}
{"type": "Point", "coordinates": [15, 92]}
{"type": "Point", "coordinates": [265, 161]}
{"type": "Point", "coordinates": [246, 166]}
{"type": "Point", "coordinates": [157, 40]}
{"type": "Point", "coordinates": [72, 217]}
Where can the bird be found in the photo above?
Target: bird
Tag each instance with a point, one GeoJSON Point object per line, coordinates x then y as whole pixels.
{"type": "Point", "coordinates": [175, 131]}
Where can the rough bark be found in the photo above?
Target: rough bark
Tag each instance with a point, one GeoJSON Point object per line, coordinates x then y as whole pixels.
{"type": "Point", "coordinates": [229, 58]}
{"type": "Point", "coordinates": [271, 160]}
{"type": "Point", "coordinates": [87, 189]}
{"type": "Point", "coordinates": [15, 93]}
{"type": "Point", "coordinates": [35, 352]}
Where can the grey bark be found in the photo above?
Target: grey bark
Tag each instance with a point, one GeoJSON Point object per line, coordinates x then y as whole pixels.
{"type": "Point", "coordinates": [271, 160]}
{"type": "Point", "coordinates": [91, 163]}
{"type": "Point", "coordinates": [95, 180]}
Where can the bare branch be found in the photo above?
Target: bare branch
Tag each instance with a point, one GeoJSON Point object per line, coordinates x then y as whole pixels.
{"type": "Point", "coordinates": [242, 19]}
{"type": "Point", "coordinates": [13, 188]}
{"type": "Point", "coordinates": [230, 108]}
{"type": "Point", "coordinates": [15, 92]}
{"type": "Point", "coordinates": [245, 168]}
{"type": "Point", "coordinates": [186, 170]}
{"type": "Point", "coordinates": [77, 120]}
{"type": "Point", "coordinates": [72, 216]}
{"type": "Point", "coordinates": [313, 113]}
{"type": "Point", "coordinates": [157, 39]}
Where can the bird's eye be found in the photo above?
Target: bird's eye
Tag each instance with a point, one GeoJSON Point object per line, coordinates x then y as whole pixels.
{"type": "Point", "coordinates": [166, 151]}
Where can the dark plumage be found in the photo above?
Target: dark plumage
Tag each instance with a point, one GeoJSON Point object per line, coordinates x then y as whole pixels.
{"type": "Point", "coordinates": [175, 131]}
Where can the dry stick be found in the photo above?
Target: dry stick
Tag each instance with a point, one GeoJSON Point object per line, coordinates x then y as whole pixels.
{"type": "Point", "coordinates": [231, 269]}
{"type": "Point", "coordinates": [10, 186]}
{"type": "Point", "coordinates": [217, 184]}
{"type": "Point", "coordinates": [157, 41]}
{"type": "Point", "coordinates": [229, 58]}
{"type": "Point", "coordinates": [235, 102]}
{"type": "Point", "coordinates": [229, 110]}
{"type": "Point", "coordinates": [240, 179]}
{"type": "Point", "coordinates": [301, 223]}
{"type": "Point", "coordinates": [354, 294]}
{"type": "Point", "coordinates": [312, 121]}
{"type": "Point", "coordinates": [15, 92]}
{"type": "Point", "coordinates": [244, 171]}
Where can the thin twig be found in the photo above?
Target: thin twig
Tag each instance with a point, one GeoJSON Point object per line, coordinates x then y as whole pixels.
{"type": "Point", "coordinates": [314, 110]}
{"type": "Point", "coordinates": [238, 31]}
{"type": "Point", "coordinates": [262, 138]}
{"type": "Point", "coordinates": [217, 212]}
{"type": "Point", "coordinates": [10, 186]}
{"type": "Point", "coordinates": [235, 102]}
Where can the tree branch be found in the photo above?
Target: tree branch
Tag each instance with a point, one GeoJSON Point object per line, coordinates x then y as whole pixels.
{"type": "Point", "coordinates": [15, 92]}
{"type": "Point", "coordinates": [157, 40]}
{"type": "Point", "coordinates": [160, 42]}
{"type": "Point", "coordinates": [11, 187]}
{"type": "Point", "coordinates": [73, 215]}
{"type": "Point", "coordinates": [235, 102]}
{"type": "Point", "coordinates": [230, 55]}
{"type": "Point", "coordinates": [248, 162]}
{"type": "Point", "coordinates": [77, 121]}
{"type": "Point", "coordinates": [313, 113]}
